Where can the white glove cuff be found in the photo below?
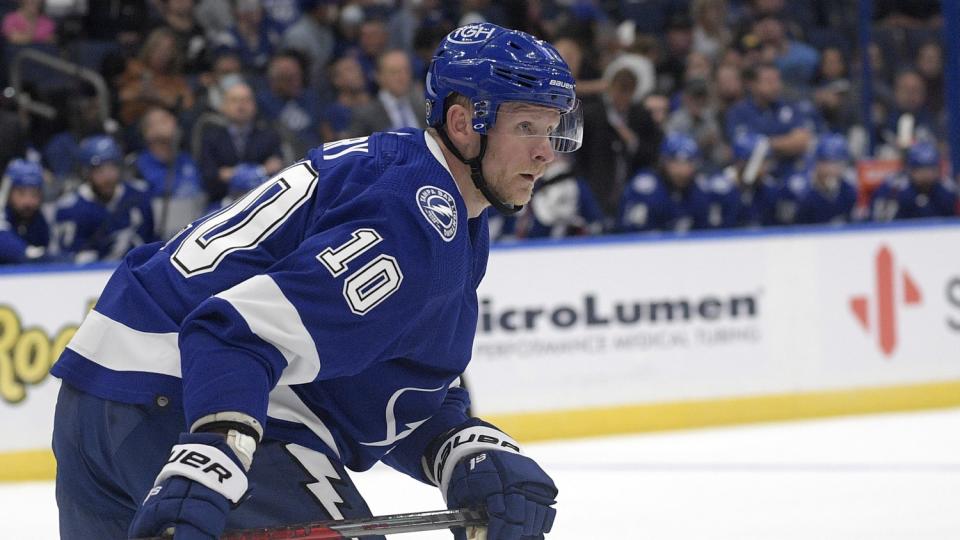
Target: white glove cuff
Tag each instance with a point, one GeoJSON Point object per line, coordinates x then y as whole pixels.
{"type": "Point", "coordinates": [467, 441]}
{"type": "Point", "coordinates": [206, 465]}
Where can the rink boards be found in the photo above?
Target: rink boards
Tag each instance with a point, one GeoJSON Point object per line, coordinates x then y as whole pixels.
{"type": "Point", "coordinates": [626, 333]}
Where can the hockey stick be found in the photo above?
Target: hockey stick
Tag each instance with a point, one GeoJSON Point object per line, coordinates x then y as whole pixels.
{"type": "Point", "coordinates": [358, 528]}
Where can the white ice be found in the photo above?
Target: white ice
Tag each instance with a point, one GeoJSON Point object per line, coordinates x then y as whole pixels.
{"type": "Point", "coordinates": [881, 477]}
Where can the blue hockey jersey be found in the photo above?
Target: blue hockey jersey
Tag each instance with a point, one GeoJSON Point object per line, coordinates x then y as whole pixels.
{"type": "Point", "coordinates": [18, 236]}
{"type": "Point", "coordinates": [649, 204]}
{"type": "Point", "coordinates": [732, 206]}
{"type": "Point", "coordinates": [818, 205]}
{"type": "Point", "coordinates": [92, 230]}
{"type": "Point", "coordinates": [335, 303]}
{"type": "Point", "coordinates": [898, 198]}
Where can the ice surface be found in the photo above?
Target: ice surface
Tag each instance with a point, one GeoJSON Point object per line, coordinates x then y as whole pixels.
{"type": "Point", "coordinates": [872, 477]}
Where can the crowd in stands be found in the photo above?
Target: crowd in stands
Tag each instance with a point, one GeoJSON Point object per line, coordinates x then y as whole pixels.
{"type": "Point", "coordinates": [698, 114]}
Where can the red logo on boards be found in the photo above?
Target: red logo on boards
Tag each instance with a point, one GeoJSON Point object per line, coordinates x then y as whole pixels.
{"type": "Point", "coordinates": [885, 305]}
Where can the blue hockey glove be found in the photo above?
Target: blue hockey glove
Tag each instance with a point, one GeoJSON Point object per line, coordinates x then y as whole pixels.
{"type": "Point", "coordinates": [480, 466]}
{"type": "Point", "coordinates": [194, 491]}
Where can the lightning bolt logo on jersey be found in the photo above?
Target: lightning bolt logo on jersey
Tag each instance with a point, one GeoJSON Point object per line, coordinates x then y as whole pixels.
{"type": "Point", "coordinates": [342, 292]}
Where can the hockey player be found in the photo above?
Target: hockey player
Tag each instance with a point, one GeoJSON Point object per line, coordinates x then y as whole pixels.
{"type": "Point", "coordinates": [668, 200]}
{"type": "Point", "coordinates": [918, 192]}
{"type": "Point", "coordinates": [744, 194]}
{"type": "Point", "coordinates": [24, 231]}
{"type": "Point", "coordinates": [107, 215]}
{"type": "Point", "coordinates": [319, 324]}
{"type": "Point", "coordinates": [832, 195]}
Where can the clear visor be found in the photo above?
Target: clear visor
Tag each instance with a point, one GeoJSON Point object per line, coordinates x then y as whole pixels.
{"type": "Point", "coordinates": [563, 129]}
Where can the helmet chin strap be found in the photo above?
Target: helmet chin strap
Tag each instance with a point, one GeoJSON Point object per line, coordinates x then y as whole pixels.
{"type": "Point", "coordinates": [476, 173]}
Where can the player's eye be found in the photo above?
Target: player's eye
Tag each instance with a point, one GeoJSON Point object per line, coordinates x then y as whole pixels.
{"type": "Point", "coordinates": [526, 128]}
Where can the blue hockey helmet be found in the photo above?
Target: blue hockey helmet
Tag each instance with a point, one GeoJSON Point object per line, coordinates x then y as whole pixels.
{"type": "Point", "coordinates": [832, 147]}
{"type": "Point", "coordinates": [681, 147]}
{"type": "Point", "coordinates": [23, 173]}
{"type": "Point", "coordinates": [923, 154]}
{"type": "Point", "coordinates": [745, 144]}
{"type": "Point", "coordinates": [491, 65]}
{"type": "Point", "coordinates": [99, 149]}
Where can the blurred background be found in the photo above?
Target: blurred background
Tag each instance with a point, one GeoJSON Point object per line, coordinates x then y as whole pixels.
{"type": "Point", "coordinates": [758, 233]}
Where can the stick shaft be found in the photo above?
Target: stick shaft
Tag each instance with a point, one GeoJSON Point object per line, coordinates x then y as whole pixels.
{"type": "Point", "coordinates": [358, 528]}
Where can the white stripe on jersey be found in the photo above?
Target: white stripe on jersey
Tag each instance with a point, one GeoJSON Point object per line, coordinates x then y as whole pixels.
{"type": "Point", "coordinates": [272, 318]}
{"type": "Point", "coordinates": [116, 346]}
{"type": "Point", "coordinates": [285, 404]}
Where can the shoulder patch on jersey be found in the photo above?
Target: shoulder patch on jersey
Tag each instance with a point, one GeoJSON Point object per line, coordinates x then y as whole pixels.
{"type": "Point", "coordinates": [798, 183]}
{"type": "Point", "coordinates": [440, 209]}
{"type": "Point", "coordinates": [645, 183]}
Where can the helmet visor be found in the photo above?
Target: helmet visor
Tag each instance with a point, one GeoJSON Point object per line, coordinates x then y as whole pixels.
{"type": "Point", "coordinates": [564, 129]}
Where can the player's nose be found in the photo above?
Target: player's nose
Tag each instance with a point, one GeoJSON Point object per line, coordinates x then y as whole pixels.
{"type": "Point", "coordinates": [543, 151]}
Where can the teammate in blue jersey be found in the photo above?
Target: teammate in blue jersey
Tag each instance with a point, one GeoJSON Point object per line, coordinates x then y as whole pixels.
{"type": "Point", "coordinates": [788, 127]}
{"type": "Point", "coordinates": [669, 199]}
{"type": "Point", "coordinates": [918, 192]}
{"type": "Point", "coordinates": [319, 324]}
{"type": "Point", "coordinates": [744, 194]}
{"type": "Point", "coordinates": [832, 195]}
{"type": "Point", "coordinates": [24, 231]}
{"type": "Point", "coordinates": [107, 216]}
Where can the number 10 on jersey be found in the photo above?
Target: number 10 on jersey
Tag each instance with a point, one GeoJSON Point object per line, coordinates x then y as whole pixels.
{"type": "Point", "coordinates": [370, 285]}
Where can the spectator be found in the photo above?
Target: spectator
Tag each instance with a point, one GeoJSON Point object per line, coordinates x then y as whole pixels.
{"type": "Point", "coordinates": [832, 94]}
{"type": "Point", "coordinates": [622, 134]}
{"type": "Point", "coordinates": [697, 118]}
{"type": "Point", "coordinates": [796, 61]}
{"type": "Point", "coordinates": [24, 231]}
{"type": "Point", "coordinates": [668, 199]}
{"type": "Point", "coordinates": [562, 206]}
{"type": "Point", "coordinates": [313, 36]}
{"type": "Point", "coordinates": [351, 94]}
{"type": "Point", "coordinates": [412, 15]}
{"type": "Point", "coordinates": [252, 36]}
{"type": "Point", "coordinates": [225, 64]}
{"type": "Point", "coordinates": [371, 46]}
{"type": "Point", "coordinates": [710, 32]}
{"type": "Point", "coordinates": [28, 25]}
{"type": "Point", "coordinates": [241, 140]}
{"type": "Point", "coordinates": [294, 107]}
{"type": "Point", "coordinates": [178, 17]}
{"type": "Point", "coordinates": [83, 120]}
{"type": "Point", "coordinates": [154, 78]}
{"type": "Point", "coordinates": [744, 194]}
{"type": "Point", "coordinates": [920, 191]}
{"type": "Point", "coordinates": [572, 53]}
{"type": "Point", "coordinates": [678, 42]}
{"type": "Point", "coordinates": [658, 105]}
{"type": "Point", "coordinates": [108, 215]}
{"type": "Point", "coordinates": [765, 113]}
{"type": "Point", "coordinates": [399, 102]}
{"type": "Point", "coordinates": [832, 196]}
{"type": "Point", "coordinates": [728, 88]}
{"type": "Point", "coordinates": [909, 119]}
{"type": "Point", "coordinates": [173, 181]}
{"type": "Point", "coordinates": [930, 66]}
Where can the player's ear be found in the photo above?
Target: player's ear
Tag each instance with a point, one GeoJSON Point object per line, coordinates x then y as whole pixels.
{"type": "Point", "coordinates": [459, 127]}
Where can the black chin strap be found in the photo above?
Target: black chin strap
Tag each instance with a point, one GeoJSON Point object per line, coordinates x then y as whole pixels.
{"type": "Point", "coordinates": [476, 173]}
